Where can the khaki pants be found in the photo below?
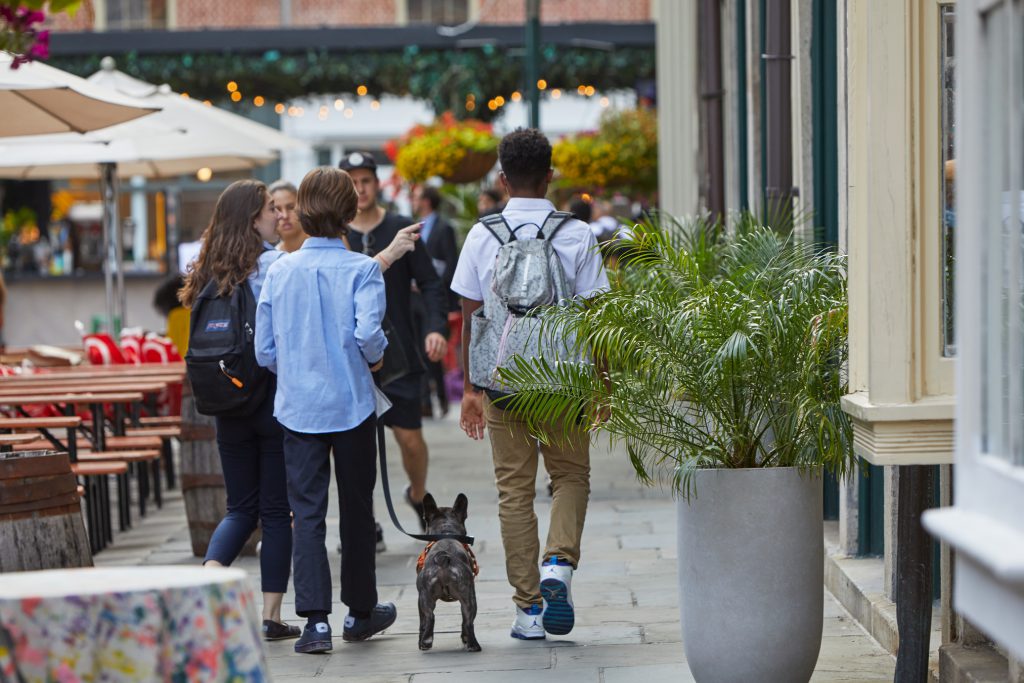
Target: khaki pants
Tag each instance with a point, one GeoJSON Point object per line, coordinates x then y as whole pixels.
{"type": "Point", "coordinates": [515, 469]}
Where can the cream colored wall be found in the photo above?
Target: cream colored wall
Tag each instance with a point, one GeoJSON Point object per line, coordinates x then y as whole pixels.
{"type": "Point", "coordinates": [903, 406]}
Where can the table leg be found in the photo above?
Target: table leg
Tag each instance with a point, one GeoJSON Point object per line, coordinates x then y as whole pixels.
{"type": "Point", "coordinates": [99, 438]}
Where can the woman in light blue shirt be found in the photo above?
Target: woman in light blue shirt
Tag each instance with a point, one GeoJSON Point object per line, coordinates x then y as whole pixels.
{"type": "Point", "coordinates": [236, 252]}
{"type": "Point", "coordinates": [318, 326]}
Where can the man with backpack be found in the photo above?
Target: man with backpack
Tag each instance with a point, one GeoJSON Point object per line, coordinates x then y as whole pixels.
{"type": "Point", "coordinates": [512, 264]}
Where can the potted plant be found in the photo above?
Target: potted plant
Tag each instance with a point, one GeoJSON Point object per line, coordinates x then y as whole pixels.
{"type": "Point", "coordinates": [458, 151]}
{"type": "Point", "coordinates": [622, 154]}
{"type": "Point", "coordinates": [724, 359]}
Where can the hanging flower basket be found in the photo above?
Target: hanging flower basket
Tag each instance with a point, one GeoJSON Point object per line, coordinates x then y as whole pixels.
{"type": "Point", "coordinates": [458, 151]}
{"type": "Point", "coordinates": [473, 167]}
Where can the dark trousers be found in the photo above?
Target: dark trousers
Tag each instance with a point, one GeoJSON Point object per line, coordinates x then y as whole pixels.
{"type": "Point", "coordinates": [308, 461]}
{"type": "Point", "coordinates": [252, 457]}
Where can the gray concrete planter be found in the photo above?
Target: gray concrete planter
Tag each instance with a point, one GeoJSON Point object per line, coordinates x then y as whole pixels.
{"type": "Point", "coordinates": [751, 559]}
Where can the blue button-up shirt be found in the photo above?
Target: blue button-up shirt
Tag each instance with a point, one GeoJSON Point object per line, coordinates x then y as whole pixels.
{"type": "Point", "coordinates": [259, 274]}
{"type": "Point", "coordinates": [318, 326]}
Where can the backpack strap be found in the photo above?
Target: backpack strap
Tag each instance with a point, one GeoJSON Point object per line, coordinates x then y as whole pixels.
{"type": "Point", "coordinates": [553, 223]}
{"type": "Point", "coordinates": [497, 226]}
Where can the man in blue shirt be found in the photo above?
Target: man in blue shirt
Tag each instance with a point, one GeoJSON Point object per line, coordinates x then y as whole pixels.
{"type": "Point", "coordinates": [318, 326]}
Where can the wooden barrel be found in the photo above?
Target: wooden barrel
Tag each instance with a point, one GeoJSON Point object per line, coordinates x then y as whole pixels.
{"type": "Point", "coordinates": [41, 524]}
{"type": "Point", "coordinates": [202, 479]}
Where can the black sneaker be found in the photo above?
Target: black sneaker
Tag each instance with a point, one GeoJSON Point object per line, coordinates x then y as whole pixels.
{"type": "Point", "coordinates": [315, 638]}
{"type": "Point", "coordinates": [417, 508]}
{"type": "Point", "coordinates": [382, 616]}
{"type": "Point", "coordinates": [276, 630]}
{"type": "Point", "coordinates": [380, 540]}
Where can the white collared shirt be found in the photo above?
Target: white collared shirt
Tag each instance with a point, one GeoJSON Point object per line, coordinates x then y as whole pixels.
{"type": "Point", "coordinates": [574, 244]}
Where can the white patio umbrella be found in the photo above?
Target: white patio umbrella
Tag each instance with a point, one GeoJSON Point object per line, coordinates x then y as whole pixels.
{"type": "Point", "coordinates": [182, 138]}
{"type": "Point", "coordinates": [38, 99]}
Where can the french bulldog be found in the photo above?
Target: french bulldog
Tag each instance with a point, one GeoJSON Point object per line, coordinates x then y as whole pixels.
{"type": "Point", "coordinates": [446, 571]}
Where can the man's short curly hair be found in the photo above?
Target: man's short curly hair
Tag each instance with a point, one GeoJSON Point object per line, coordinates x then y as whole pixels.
{"type": "Point", "coordinates": [525, 156]}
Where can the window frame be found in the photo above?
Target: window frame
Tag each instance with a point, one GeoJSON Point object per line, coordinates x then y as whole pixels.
{"type": "Point", "coordinates": [986, 523]}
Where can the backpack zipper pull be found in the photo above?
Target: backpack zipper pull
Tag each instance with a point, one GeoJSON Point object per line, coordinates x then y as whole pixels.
{"type": "Point", "coordinates": [234, 380]}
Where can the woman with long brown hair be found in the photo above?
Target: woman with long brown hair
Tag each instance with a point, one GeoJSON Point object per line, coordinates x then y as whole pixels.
{"type": "Point", "coordinates": [237, 252]}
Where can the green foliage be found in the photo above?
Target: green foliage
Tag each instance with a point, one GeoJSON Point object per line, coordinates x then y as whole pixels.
{"type": "Point", "coordinates": [442, 77]}
{"type": "Point", "coordinates": [722, 351]}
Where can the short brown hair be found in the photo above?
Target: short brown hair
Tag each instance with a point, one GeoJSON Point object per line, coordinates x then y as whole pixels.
{"type": "Point", "coordinates": [326, 202]}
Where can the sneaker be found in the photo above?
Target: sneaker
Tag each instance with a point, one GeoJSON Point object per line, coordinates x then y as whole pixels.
{"type": "Point", "coordinates": [315, 638]}
{"type": "Point", "coordinates": [380, 540]}
{"type": "Point", "coordinates": [276, 630]}
{"type": "Point", "coordinates": [417, 508]}
{"type": "Point", "coordinates": [527, 625]}
{"type": "Point", "coordinates": [382, 616]}
{"type": "Point", "coordinates": [556, 589]}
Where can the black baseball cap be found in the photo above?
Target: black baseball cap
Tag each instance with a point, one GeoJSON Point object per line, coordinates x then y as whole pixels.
{"type": "Point", "coordinates": [354, 160]}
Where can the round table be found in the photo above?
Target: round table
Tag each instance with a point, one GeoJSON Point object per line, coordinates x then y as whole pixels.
{"type": "Point", "coordinates": [152, 624]}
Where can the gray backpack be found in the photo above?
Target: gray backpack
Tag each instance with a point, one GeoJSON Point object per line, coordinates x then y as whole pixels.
{"type": "Point", "coordinates": [528, 276]}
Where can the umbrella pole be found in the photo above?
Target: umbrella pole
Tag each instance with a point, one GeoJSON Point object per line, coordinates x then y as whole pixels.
{"type": "Point", "coordinates": [108, 190]}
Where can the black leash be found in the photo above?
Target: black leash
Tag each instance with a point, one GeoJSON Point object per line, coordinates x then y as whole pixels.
{"type": "Point", "coordinates": [468, 540]}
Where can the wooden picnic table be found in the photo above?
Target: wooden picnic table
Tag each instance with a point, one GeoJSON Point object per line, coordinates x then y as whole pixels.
{"type": "Point", "coordinates": [65, 422]}
{"type": "Point", "coordinates": [8, 440]}
{"type": "Point", "coordinates": [74, 380]}
{"type": "Point", "coordinates": [93, 399]}
{"type": "Point", "coordinates": [109, 370]}
{"type": "Point", "coordinates": [119, 388]}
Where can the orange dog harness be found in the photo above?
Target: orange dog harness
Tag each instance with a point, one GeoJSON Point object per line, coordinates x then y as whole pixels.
{"type": "Point", "coordinates": [421, 560]}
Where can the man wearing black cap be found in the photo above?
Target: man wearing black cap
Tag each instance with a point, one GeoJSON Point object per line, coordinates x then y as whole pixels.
{"type": "Point", "coordinates": [372, 231]}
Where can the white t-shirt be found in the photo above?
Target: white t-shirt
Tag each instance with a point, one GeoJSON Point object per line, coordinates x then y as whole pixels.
{"type": "Point", "coordinates": [574, 244]}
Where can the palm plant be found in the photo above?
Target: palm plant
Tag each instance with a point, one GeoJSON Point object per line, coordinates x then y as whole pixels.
{"type": "Point", "coordinates": [717, 351]}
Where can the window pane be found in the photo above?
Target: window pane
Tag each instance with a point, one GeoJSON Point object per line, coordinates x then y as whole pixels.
{"type": "Point", "coordinates": [1003, 272]}
{"type": "Point", "coordinates": [946, 76]}
{"type": "Point", "coordinates": [445, 12]}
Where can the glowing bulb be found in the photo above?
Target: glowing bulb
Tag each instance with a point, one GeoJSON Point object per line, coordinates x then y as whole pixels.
{"type": "Point", "coordinates": [556, 93]}
{"type": "Point", "coordinates": [590, 91]}
{"type": "Point", "coordinates": [605, 102]}
{"type": "Point", "coordinates": [349, 113]}
{"type": "Point", "coordinates": [184, 95]}
{"type": "Point", "coordinates": [279, 108]}
{"type": "Point", "coordinates": [471, 96]}
{"type": "Point", "coordinates": [323, 110]}
{"type": "Point", "coordinates": [542, 84]}
{"type": "Point", "coordinates": [375, 105]}
{"type": "Point", "coordinates": [232, 86]}
{"type": "Point", "coordinates": [339, 104]}
{"type": "Point", "coordinates": [516, 96]}
{"type": "Point", "coordinates": [500, 101]}
{"type": "Point", "coordinates": [470, 106]}
{"type": "Point", "coordinates": [361, 90]}
{"type": "Point", "coordinates": [322, 116]}
{"type": "Point", "coordinates": [492, 105]}
{"type": "Point", "coordinates": [204, 174]}
{"type": "Point", "coordinates": [582, 89]}
{"type": "Point", "coordinates": [208, 103]}
{"type": "Point", "coordinates": [259, 101]}
{"type": "Point", "coordinates": [236, 96]}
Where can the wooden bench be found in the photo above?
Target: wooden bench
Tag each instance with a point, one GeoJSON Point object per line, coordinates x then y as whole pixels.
{"type": "Point", "coordinates": [161, 421]}
{"type": "Point", "coordinates": [97, 498]}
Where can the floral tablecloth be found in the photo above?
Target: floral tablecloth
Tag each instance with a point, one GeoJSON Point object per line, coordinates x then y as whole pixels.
{"type": "Point", "coordinates": [121, 625]}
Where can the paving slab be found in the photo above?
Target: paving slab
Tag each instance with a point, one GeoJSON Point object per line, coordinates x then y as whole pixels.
{"type": "Point", "coordinates": [625, 590]}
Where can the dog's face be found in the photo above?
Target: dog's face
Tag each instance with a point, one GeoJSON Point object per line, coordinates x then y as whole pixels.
{"type": "Point", "coordinates": [446, 520]}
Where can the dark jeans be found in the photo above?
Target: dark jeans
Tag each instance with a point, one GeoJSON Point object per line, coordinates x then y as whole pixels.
{"type": "Point", "coordinates": [308, 460]}
{"type": "Point", "coordinates": [252, 456]}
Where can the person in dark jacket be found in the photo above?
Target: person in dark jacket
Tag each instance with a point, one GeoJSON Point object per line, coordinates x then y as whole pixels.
{"type": "Point", "coordinates": [371, 231]}
{"type": "Point", "coordinates": [439, 237]}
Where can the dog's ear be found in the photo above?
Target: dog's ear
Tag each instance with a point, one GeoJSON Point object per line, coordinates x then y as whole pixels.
{"type": "Point", "coordinates": [429, 508]}
{"type": "Point", "coordinates": [461, 506]}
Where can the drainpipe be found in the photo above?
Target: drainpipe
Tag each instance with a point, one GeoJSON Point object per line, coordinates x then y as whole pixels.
{"type": "Point", "coordinates": [709, 21]}
{"type": "Point", "coordinates": [533, 60]}
{"type": "Point", "coordinates": [778, 106]}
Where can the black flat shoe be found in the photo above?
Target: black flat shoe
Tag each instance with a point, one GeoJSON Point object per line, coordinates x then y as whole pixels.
{"type": "Point", "coordinates": [276, 630]}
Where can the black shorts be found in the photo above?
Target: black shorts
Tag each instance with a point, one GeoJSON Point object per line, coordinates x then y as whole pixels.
{"type": "Point", "coordinates": [405, 413]}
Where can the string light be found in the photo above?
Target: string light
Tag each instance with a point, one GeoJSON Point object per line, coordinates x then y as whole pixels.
{"type": "Point", "coordinates": [492, 105]}
{"type": "Point", "coordinates": [375, 105]}
{"type": "Point", "coordinates": [208, 103]}
{"type": "Point", "coordinates": [236, 96]}
{"type": "Point", "coordinates": [279, 108]}
{"type": "Point", "coordinates": [184, 95]}
{"type": "Point", "coordinates": [204, 174]}
{"type": "Point", "coordinates": [339, 104]}
{"type": "Point", "coordinates": [259, 101]}
{"type": "Point", "coordinates": [590, 91]}
{"type": "Point", "coordinates": [516, 96]}
{"type": "Point", "coordinates": [605, 102]}
{"type": "Point", "coordinates": [542, 84]}
{"type": "Point", "coordinates": [361, 90]}
{"type": "Point", "coordinates": [556, 93]}
{"type": "Point", "coordinates": [582, 89]}
{"type": "Point", "coordinates": [323, 113]}
{"type": "Point", "coordinates": [470, 105]}
{"type": "Point", "coordinates": [293, 111]}
{"type": "Point", "coordinates": [349, 113]}
{"type": "Point", "coordinates": [232, 86]}
{"type": "Point", "coordinates": [500, 101]}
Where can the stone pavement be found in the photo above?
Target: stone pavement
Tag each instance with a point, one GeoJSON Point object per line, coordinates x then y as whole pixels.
{"type": "Point", "coordinates": [625, 591]}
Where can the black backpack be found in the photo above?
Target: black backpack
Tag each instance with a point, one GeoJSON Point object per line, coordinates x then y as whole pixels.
{"type": "Point", "coordinates": [221, 358]}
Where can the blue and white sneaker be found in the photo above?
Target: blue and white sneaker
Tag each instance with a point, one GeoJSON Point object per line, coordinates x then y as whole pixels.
{"type": "Point", "coordinates": [556, 589]}
{"type": "Point", "coordinates": [527, 625]}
